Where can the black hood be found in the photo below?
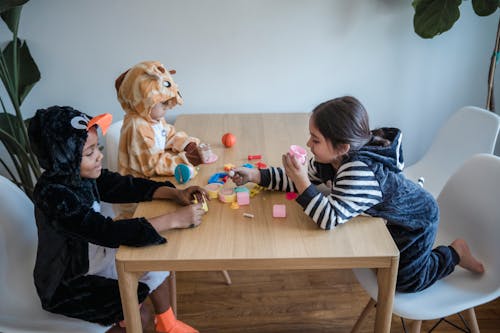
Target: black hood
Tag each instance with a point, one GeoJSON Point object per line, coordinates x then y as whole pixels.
{"type": "Point", "coordinates": [391, 156]}
{"type": "Point", "coordinates": [57, 136]}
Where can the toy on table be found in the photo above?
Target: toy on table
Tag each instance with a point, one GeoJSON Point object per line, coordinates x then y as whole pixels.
{"type": "Point", "coordinates": [242, 195]}
{"type": "Point", "coordinates": [183, 173]}
{"type": "Point", "coordinates": [279, 211]}
{"type": "Point", "coordinates": [219, 177]}
{"type": "Point", "coordinates": [203, 202]}
{"type": "Point", "coordinates": [227, 195]}
{"type": "Point", "coordinates": [213, 190]}
{"type": "Point", "coordinates": [206, 154]}
{"type": "Point", "coordinates": [254, 157]}
{"type": "Point", "coordinates": [299, 152]}
{"type": "Point", "coordinates": [228, 140]}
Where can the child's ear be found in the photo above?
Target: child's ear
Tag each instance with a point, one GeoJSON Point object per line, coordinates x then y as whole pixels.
{"type": "Point", "coordinates": [343, 148]}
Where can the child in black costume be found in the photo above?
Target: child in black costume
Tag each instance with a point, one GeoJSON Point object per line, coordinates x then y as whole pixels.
{"type": "Point", "coordinates": [74, 270]}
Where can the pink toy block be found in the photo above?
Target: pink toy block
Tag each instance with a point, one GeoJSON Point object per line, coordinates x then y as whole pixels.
{"type": "Point", "coordinates": [279, 211]}
{"type": "Point", "coordinates": [243, 198]}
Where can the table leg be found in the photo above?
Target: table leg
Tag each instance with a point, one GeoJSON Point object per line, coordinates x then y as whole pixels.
{"type": "Point", "coordinates": [386, 279]}
{"type": "Point", "coordinates": [129, 282]}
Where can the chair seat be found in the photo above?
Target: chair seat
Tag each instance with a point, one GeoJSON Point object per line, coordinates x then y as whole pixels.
{"type": "Point", "coordinates": [457, 292]}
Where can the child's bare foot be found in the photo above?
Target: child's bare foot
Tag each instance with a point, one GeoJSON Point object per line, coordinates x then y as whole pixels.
{"type": "Point", "coordinates": [467, 260]}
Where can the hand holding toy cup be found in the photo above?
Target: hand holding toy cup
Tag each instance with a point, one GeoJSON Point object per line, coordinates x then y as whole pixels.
{"type": "Point", "coordinates": [299, 152]}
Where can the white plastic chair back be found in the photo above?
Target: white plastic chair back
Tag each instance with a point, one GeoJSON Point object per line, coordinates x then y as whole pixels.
{"type": "Point", "coordinates": [112, 139]}
{"type": "Point", "coordinates": [20, 308]}
{"type": "Point", "coordinates": [469, 131]}
{"type": "Point", "coordinates": [469, 209]}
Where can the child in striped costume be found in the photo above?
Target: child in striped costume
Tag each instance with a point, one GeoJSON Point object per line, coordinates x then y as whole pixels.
{"type": "Point", "coordinates": [363, 169]}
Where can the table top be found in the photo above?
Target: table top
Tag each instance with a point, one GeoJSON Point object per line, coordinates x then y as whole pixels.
{"type": "Point", "coordinates": [228, 240]}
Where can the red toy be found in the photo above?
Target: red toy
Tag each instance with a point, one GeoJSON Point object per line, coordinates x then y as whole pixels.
{"type": "Point", "coordinates": [254, 157]}
{"type": "Point", "coordinates": [228, 140]}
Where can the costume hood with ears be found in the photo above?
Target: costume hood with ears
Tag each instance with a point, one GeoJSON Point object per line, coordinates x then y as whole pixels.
{"type": "Point", "coordinates": [57, 136]}
{"type": "Point", "coordinates": [144, 85]}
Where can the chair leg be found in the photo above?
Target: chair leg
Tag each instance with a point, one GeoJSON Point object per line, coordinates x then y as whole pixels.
{"type": "Point", "coordinates": [227, 277]}
{"type": "Point", "coordinates": [415, 326]}
{"type": "Point", "coordinates": [172, 290]}
{"type": "Point", "coordinates": [369, 306]}
{"type": "Point", "coordinates": [470, 315]}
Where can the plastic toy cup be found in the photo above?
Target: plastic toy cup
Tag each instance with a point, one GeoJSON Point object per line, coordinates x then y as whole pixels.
{"type": "Point", "coordinates": [299, 152]}
{"type": "Point", "coordinates": [206, 153]}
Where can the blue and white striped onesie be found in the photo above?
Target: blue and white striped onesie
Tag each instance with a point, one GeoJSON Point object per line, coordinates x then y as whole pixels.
{"type": "Point", "coordinates": [370, 182]}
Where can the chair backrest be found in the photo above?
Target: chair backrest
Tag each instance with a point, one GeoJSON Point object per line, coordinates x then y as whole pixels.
{"type": "Point", "coordinates": [18, 244]}
{"type": "Point", "coordinates": [470, 209]}
{"type": "Point", "coordinates": [20, 307]}
{"type": "Point", "coordinates": [471, 130]}
{"type": "Point", "coordinates": [112, 139]}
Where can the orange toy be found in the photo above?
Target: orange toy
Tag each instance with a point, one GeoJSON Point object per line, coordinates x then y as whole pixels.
{"type": "Point", "coordinates": [228, 140]}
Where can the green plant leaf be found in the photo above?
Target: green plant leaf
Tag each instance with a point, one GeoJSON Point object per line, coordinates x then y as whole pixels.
{"type": "Point", "coordinates": [8, 4]}
{"type": "Point", "coordinates": [11, 125]}
{"type": "Point", "coordinates": [433, 17]}
{"type": "Point", "coordinates": [28, 72]}
{"type": "Point", "coordinates": [11, 17]}
{"type": "Point", "coordinates": [485, 7]}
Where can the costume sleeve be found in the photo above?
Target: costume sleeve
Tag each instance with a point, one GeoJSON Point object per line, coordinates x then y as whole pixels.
{"type": "Point", "coordinates": [354, 190]}
{"type": "Point", "coordinates": [139, 154]}
{"type": "Point", "coordinates": [177, 141]}
{"type": "Point", "coordinates": [115, 188]}
{"type": "Point", "coordinates": [67, 214]}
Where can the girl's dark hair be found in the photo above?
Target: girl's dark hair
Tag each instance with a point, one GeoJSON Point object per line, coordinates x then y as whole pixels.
{"type": "Point", "coordinates": [344, 120]}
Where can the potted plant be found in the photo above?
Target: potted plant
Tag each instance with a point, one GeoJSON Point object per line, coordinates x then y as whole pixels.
{"type": "Point", "coordinates": [433, 17]}
{"type": "Point", "coordinates": [19, 73]}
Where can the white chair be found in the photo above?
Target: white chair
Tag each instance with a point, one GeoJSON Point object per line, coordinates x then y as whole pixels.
{"type": "Point", "coordinates": [112, 139]}
{"type": "Point", "coordinates": [471, 130]}
{"type": "Point", "coordinates": [469, 209]}
{"type": "Point", "coordinates": [20, 308]}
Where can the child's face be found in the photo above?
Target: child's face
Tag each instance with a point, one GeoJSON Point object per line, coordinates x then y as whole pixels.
{"type": "Point", "coordinates": [91, 165]}
{"type": "Point", "coordinates": [323, 150]}
{"type": "Point", "coordinates": [159, 110]}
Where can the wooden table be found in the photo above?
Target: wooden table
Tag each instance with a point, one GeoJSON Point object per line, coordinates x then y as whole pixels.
{"type": "Point", "coordinates": [226, 240]}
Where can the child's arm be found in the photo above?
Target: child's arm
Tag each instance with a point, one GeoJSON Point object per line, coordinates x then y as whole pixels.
{"type": "Point", "coordinates": [183, 197]}
{"type": "Point", "coordinates": [115, 188]}
{"type": "Point", "coordinates": [355, 190]}
{"type": "Point", "coordinates": [177, 141]}
{"type": "Point", "coordinates": [140, 155]}
{"type": "Point", "coordinates": [65, 211]}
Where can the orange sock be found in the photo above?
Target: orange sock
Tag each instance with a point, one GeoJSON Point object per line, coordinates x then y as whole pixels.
{"type": "Point", "coordinates": [167, 323]}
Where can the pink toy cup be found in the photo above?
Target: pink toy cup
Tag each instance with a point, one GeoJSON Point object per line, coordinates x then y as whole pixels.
{"type": "Point", "coordinates": [299, 152]}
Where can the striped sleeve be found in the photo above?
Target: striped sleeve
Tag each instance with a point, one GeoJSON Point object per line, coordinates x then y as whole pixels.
{"type": "Point", "coordinates": [355, 190]}
{"type": "Point", "coordinates": [275, 178]}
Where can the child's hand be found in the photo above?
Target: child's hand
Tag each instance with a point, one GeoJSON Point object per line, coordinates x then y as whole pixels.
{"type": "Point", "coordinates": [188, 216]}
{"type": "Point", "coordinates": [185, 197]}
{"type": "Point", "coordinates": [244, 175]}
{"type": "Point", "coordinates": [296, 171]}
{"type": "Point", "coordinates": [192, 154]}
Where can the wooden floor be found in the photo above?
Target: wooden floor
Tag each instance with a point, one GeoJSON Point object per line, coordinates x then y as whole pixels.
{"type": "Point", "coordinates": [279, 301]}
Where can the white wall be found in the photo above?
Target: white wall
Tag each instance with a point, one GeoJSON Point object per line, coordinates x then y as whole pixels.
{"type": "Point", "coordinates": [263, 56]}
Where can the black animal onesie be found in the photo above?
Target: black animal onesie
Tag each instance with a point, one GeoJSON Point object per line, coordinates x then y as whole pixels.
{"type": "Point", "coordinates": [67, 220]}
